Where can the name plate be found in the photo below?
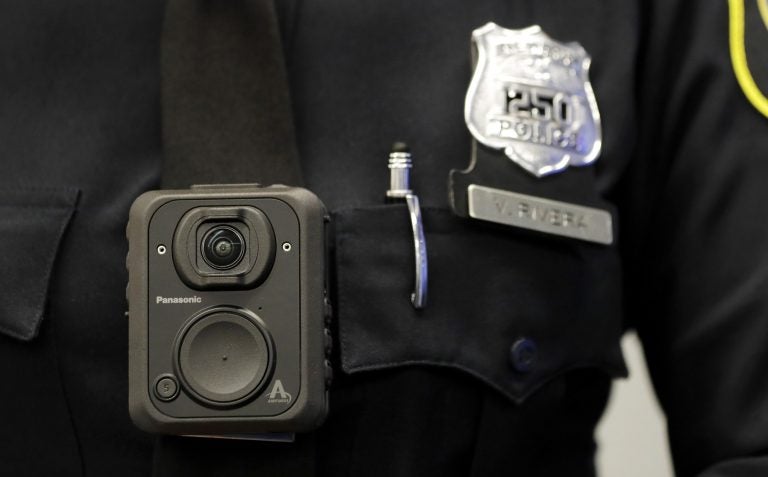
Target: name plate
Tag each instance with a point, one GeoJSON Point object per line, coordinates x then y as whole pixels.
{"type": "Point", "coordinates": [543, 215]}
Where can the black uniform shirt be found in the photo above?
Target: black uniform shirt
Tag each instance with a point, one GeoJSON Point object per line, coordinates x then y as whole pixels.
{"type": "Point", "coordinates": [684, 163]}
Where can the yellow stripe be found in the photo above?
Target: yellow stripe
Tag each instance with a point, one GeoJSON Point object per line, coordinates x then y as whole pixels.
{"type": "Point", "coordinates": [762, 5]}
{"type": "Point", "coordinates": [739, 57]}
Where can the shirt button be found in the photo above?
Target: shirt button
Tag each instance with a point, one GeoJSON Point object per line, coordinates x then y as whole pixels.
{"type": "Point", "coordinates": [523, 355]}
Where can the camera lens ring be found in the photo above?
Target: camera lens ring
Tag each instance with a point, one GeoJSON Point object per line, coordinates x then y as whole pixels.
{"type": "Point", "coordinates": [223, 247]}
{"type": "Point", "coordinates": [260, 245]}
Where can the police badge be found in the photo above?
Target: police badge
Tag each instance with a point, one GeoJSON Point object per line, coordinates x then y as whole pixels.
{"type": "Point", "coordinates": [531, 97]}
{"type": "Point", "coordinates": [532, 113]}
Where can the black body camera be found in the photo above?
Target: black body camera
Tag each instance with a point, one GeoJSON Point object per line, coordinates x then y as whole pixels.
{"type": "Point", "coordinates": [228, 311]}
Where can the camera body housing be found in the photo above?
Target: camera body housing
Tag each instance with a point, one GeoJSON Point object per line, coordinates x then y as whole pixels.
{"type": "Point", "coordinates": [228, 310]}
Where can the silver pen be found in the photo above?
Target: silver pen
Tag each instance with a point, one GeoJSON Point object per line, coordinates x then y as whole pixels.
{"type": "Point", "coordinates": [400, 164]}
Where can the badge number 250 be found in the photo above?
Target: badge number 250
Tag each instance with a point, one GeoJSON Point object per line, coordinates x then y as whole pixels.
{"type": "Point", "coordinates": [536, 115]}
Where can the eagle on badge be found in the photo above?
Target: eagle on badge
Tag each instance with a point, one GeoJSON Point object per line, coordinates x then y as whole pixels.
{"type": "Point", "coordinates": [530, 96]}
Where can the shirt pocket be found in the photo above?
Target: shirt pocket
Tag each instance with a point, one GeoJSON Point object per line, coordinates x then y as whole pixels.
{"type": "Point", "coordinates": [512, 308]}
{"type": "Point", "coordinates": [32, 224]}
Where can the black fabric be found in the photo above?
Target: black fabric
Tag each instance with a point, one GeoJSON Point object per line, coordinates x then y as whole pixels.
{"type": "Point", "coordinates": [233, 458]}
{"type": "Point", "coordinates": [226, 109]}
{"type": "Point", "coordinates": [423, 420]}
{"type": "Point", "coordinates": [80, 110]}
{"type": "Point", "coordinates": [32, 224]}
{"type": "Point", "coordinates": [489, 288]}
{"type": "Point", "coordinates": [683, 161]}
{"type": "Point", "coordinates": [696, 247]}
{"type": "Point", "coordinates": [39, 437]}
{"type": "Point", "coordinates": [744, 467]}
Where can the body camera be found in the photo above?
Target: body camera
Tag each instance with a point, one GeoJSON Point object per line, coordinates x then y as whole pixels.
{"type": "Point", "coordinates": [228, 310]}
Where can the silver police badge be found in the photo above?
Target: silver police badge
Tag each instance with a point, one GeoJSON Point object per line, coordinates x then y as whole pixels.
{"type": "Point", "coordinates": [530, 96]}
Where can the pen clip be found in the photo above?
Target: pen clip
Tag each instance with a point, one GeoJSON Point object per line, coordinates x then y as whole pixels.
{"type": "Point", "coordinates": [400, 164]}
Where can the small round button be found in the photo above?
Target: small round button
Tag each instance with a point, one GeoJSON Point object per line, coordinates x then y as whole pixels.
{"type": "Point", "coordinates": [166, 388]}
{"type": "Point", "coordinates": [328, 373]}
{"type": "Point", "coordinates": [328, 342]}
{"type": "Point", "coordinates": [523, 355]}
{"type": "Point", "coordinates": [327, 311]}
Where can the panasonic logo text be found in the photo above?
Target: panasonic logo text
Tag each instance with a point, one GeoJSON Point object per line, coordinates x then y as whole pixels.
{"type": "Point", "coordinates": [178, 299]}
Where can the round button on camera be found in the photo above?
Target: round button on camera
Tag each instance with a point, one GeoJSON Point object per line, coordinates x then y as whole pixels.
{"type": "Point", "coordinates": [223, 357]}
{"type": "Point", "coordinates": [166, 388]}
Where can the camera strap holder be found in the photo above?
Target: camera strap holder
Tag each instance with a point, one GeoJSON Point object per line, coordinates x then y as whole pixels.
{"type": "Point", "coordinates": [226, 111]}
{"type": "Point", "coordinates": [226, 118]}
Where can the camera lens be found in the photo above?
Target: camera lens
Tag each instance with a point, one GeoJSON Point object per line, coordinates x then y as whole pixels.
{"type": "Point", "coordinates": [223, 247]}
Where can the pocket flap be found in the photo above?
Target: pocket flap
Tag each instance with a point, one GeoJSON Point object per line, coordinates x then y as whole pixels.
{"type": "Point", "coordinates": [509, 307]}
{"type": "Point", "coordinates": [32, 223]}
